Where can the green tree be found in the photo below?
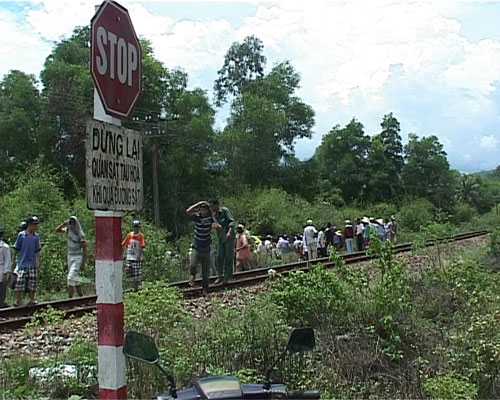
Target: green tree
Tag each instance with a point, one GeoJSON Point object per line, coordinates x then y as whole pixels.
{"type": "Point", "coordinates": [427, 172]}
{"type": "Point", "coordinates": [68, 91]}
{"type": "Point", "coordinates": [468, 189]}
{"type": "Point", "coordinates": [393, 148]}
{"type": "Point", "coordinates": [298, 177]}
{"type": "Point", "coordinates": [379, 185]}
{"type": "Point", "coordinates": [20, 112]}
{"type": "Point", "coordinates": [385, 161]}
{"type": "Point", "coordinates": [488, 192]}
{"type": "Point", "coordinates": [266, 115]}
{"type": "Point", "coordinates": [161, 90]}
{"type": "Point", "coordinates": [342, 159]}
{"type": "Point", "coordinates": [184, 170]}
{"type": "Point", "coordinates": [243, 62]}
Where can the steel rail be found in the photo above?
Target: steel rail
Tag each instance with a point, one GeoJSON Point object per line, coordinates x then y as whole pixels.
{"type": "Point", "coordinates": [16, 317]}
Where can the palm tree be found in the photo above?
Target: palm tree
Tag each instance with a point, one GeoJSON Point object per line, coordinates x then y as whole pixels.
{"type": "Point", "coordinates": [467, 191]}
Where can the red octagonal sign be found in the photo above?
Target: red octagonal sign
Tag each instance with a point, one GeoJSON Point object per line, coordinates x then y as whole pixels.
{"type": "Point", "coordinates": [116, 59]}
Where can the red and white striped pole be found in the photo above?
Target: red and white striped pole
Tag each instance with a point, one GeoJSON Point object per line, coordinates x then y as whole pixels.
{"type": "Point", "coordinates": [109, 289]}
{"type": "Point", "coordinates": [109, 272]}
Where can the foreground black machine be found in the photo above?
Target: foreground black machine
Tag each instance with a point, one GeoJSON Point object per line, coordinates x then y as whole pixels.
{"type": "Point", "coordinates": [143, 348]}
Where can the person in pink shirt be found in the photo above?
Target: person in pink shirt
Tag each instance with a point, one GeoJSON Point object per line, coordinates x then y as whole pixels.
{"type": "Point", "coordinates": [242, 250]}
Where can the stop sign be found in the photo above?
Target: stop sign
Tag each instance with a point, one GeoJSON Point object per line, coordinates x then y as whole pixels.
{"type": "Point", "coordinates": [116, 59]}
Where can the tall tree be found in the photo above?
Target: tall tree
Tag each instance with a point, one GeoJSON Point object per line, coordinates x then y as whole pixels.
{"type": "Point", "coordinates": [20, 111]}
{"type": "Point", "coordinates": [243, 63]}
{"type": "Point", "coordinates": [427, 171]}
{"type": "Point", "coordinates": [468, 189]}
{"type": "Point", "coordinates": [378, 187]}
{"type": "Point", "coordinates": [386, 161]}
{"type": "Point", "coordinates": [68, 91]}
{"type": "Point", "coordinates": [266, 115]}
{"type": "Point", "coordinates": [185, 158]}
{"type": "Point", "coordinates": [342, 159]}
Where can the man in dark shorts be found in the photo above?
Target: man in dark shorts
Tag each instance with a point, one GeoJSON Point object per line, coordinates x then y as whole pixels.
{"type": "Point", "coordinates": [135, 243]}
{"type": "Point", "coordinates": [201, 252]}
{"type": "Point", "coordinates": [27, 248]}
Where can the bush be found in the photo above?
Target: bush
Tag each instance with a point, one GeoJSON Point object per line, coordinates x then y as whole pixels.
{"type": "Point", "coordinates": [381, 210]}
{"type": "Point", "coordinates": [390, 298]}
{"type": "Point", "coordinates": [154, 310]}
{"type": "Point", "coordinates": [38, 194]}
{"type": "Point", "coordinates": [495, 242]}
{"type": "Point", "coordinates": [273, 211]}
{"type": "Point", "coordinates": [462, 213]}
{"type": "Point", "coordinates": [416, 213]}
{"type": "Point", "coordinates": [310, 298]}
{"type": "Point", "coordinates": [449, 387]}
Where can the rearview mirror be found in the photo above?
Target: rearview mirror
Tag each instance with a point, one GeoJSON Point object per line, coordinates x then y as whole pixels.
{"type": "Point", "coordinates": [140, 347]}
{"type": "Point", "coordinates": [301, 339]}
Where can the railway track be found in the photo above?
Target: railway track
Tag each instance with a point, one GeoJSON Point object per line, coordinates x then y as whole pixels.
{"type": "Point", "coordinates": [14, 318]}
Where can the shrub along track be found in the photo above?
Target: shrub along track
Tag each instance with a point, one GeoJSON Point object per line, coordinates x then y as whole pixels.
{"type": "Point", "coordinates": [14, 318]}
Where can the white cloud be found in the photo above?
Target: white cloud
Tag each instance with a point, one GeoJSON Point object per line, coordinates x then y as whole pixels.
{"type": "Point", "coordinates": [20, 49]}
{"type": "Point", "coordinates": [356, 58]}
{"type": "Point", "coordinates": [193, 45]}
{"type": "Point", "coordinates": [352, 46]}
{"type": "Point", "coordinates": [339, 47]}
{"type": "Point", "coordinates": [478, 70]}
{"type": "Point", "coordinates": [54, 19]}
{"type": "Point", "coordinates": [490, 142]}
{"type": "Point", "coordinates": [190, 44]}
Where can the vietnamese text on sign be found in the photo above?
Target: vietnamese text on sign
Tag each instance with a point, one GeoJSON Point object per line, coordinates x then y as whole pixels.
{"type": "Point", "coordinates": [114, 167]}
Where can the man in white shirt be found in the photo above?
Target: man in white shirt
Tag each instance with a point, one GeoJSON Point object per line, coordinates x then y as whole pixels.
{"type": "Point", "coordinates": [359, 230]}
{"type": "Point", "coordinates": [5, 269]}
{"type": "Point", "coordinates": [268, 245]}
{"type": "Point", "coordinates": [322, 243]}
{"type": "Point", "coordinates": [310, 240]}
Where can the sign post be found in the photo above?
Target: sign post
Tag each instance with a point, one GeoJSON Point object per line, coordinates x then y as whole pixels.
{"type": "Point", "coordinates": [114, 177]}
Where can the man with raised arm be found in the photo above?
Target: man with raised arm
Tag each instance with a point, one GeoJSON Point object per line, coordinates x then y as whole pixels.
{"type": "Point", "coordinates": [77, 252]}
{"type": "Point", "coordinates": [201, 252]}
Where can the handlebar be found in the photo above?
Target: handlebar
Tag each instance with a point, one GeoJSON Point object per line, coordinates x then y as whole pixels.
{"type": "Point", "coordinates": [303, 394]}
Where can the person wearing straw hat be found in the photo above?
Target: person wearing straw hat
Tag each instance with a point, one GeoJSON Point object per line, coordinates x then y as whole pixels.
{"type": "Point", "coordinates": [349, 236]}
{"type": "Point", "coordinates": [380, 229]}
{"type": "Point", "coordinates": [310, 243]}
{"type": "Point", "coordinates": [77, 252]}
{"type": "Point", "coordinates": [338, 239]}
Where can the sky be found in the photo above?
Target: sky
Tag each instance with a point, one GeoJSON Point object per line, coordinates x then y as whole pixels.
{"type": "Point", "coordinates": [434, 65]}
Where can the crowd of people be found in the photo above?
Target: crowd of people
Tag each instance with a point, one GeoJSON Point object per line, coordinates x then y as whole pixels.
{"type": "Point", "coordinates": [313, 243]}
{"type": "Point", "coordinates": [233, 248]}
{"type": "Point", "coordinates": [20, 265]}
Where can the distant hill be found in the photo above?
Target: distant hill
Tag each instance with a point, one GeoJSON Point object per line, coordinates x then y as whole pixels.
{"type": "Point", "coordinates": [494, 172]}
